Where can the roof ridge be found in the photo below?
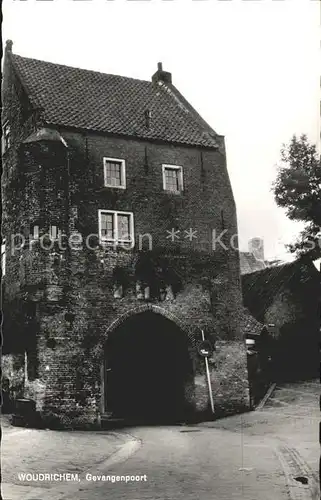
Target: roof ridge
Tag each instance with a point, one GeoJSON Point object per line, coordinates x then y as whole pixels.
{"type": "Point", "coordinates": [268, 269]}
{"type": "Point", "coordinates": [80, 69]}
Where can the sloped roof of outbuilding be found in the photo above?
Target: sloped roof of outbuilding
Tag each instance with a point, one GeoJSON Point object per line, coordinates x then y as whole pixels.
{"type": "Point", "coordinates": [247, 324]}
{"type": "Point", "coordinates": [261, 287]}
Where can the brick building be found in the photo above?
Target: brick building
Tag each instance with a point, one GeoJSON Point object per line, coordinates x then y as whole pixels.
{"type": "Point", "coordinates": [114, 190]}
{"type": "Point", "coordinates": [288, 298]}
{"type": "Point", "coordinates": [249, 263]}
{"type": "Point", "coordinates": [254, 259]}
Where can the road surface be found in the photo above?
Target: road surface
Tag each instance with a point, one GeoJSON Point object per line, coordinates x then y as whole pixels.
{"type": "Point", "coordinates": [269, 454]}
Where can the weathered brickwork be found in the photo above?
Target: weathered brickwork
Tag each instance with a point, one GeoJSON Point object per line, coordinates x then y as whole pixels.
{"type": "Point", "coordinates": [288, 297]}
{"type": "Point", "coordinates": [70, 293]}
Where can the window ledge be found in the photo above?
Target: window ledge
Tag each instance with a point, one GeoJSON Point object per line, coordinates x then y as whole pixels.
{"type": "Point", "coordinates": [107, 186]}
{"type": "Point", "coordinates": [115, 245]}
{"type": "Point", "coordinates": [103, 189]}
{"type": "Point", "coordinates": [173, 193]}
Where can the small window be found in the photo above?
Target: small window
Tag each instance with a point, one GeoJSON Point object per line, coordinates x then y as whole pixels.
{"type": "Point", "coordinates": [6, 139]}
{"type": "Point", "coordinates": [53, 232]}
{"type": "Point", "coordinates": [116, 228]}
{"type": "Point", "coordinates": [36, 232]}
{"type": "Point", "coordinates": [114, 173]}
{"type": "Point", "coordinates": [173, 178]}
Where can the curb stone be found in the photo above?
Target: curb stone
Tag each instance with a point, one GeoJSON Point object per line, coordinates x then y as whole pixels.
{"type": "Point", "coordinates": [267, 396]}
{"type": "Point", "coordinates": [293, 466]}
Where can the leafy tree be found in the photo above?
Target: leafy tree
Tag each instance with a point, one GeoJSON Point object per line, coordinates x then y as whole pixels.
{"type": "Point", "coordinates": [298, 189]}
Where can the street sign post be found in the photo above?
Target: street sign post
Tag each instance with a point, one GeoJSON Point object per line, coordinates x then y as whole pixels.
{"type": "Point", "coordinates": [206, 350]}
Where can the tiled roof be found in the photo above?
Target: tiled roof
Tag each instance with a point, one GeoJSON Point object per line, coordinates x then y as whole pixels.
{"type": "Point", "coordinates": [261, 287]}
{"type": "Point", "coordinates": [247, 324]}
{"type": "Point", "coordinates": [84, 99]}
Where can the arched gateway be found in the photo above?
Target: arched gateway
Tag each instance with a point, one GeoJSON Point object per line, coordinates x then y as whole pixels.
{"type": "Point", "coordinates": [148, 368]}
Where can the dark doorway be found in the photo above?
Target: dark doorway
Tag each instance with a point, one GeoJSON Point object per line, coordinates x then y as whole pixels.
{"type": "Point", "coordinates": [296, 353]}
{"type": "Point", "coordinates": [147, 368]}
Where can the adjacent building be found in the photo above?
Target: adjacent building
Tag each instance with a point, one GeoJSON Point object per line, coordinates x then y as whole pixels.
{"type": "Point", "coordinates": [254, 259]}
{"type": "Point", "coordinates": [287, 298]}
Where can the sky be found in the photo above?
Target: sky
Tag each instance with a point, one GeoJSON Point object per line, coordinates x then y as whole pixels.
{"type": "Point", "coordinates": [250, 68]}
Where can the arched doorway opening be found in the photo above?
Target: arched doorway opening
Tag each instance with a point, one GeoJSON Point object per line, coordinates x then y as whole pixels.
{"type": "Point", "coordinates": [148, 370]}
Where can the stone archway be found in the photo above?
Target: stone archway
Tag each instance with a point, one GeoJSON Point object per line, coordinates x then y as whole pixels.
{"type": "Point", "coordinates": [157, 310]}
{"type": "Point", "coordinates": [148, 368]}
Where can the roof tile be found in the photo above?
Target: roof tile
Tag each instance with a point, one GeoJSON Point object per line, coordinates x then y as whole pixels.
{"type": "Point", "coordinates": [85, 99]}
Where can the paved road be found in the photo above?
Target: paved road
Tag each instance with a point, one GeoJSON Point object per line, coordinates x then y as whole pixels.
{"type": "Point", "coordinates": [253, 456]}
{"type": "Point", "coordinates": [179, 463]}
{"type": "Point", "coordinates": [190, 462]}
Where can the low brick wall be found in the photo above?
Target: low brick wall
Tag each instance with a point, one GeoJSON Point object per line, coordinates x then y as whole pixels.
{"type": "Point", "coordinates": [13, 374]}
{"type": "Point", "coordinates": [229, 377]}
{"type": "Point", "coordinates": [36, 390]}
{"type": "Point", "coordinates": [229, 381]}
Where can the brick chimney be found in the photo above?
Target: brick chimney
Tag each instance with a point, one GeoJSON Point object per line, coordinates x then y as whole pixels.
{"type": "Point", "coordinates": [9, 44]}
{"type": "Point", "coordinates": [161, 75]}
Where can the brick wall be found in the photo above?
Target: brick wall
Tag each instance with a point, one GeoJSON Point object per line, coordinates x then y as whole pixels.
{"type": "Point", "coordinates": [207, 188]}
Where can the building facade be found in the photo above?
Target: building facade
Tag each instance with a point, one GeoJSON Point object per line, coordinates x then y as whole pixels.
{"type": "Point", "coordinates": [115, 193]}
